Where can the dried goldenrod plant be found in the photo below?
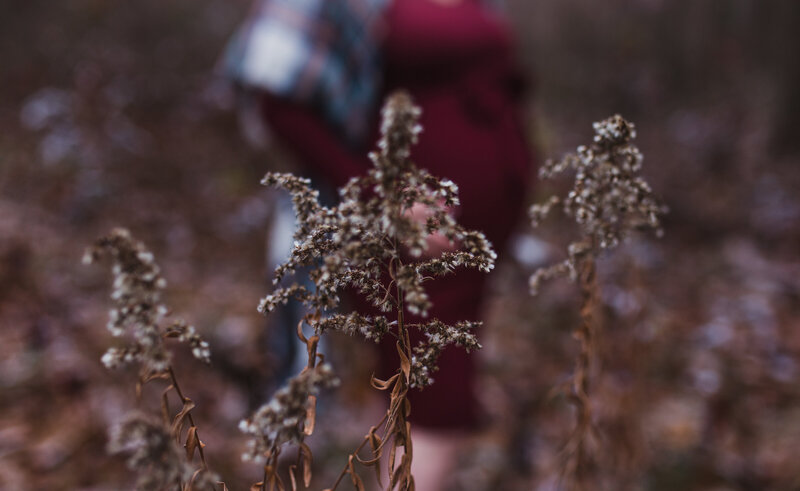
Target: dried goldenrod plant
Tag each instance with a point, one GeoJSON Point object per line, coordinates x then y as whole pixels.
{"type": "Point", "coordinates": [373, 244]}
{"type": "Point", "coordinates": [609, 200]}
{"type": "Point", "coordinates": [139, 316]}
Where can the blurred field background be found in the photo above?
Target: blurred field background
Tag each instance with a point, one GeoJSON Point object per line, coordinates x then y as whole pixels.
{"type": "Point", "coordinates": [110, 115]}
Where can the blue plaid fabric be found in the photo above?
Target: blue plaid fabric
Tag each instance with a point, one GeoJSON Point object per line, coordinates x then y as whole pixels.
{"type": "Point", "coordinates": [320, 52]}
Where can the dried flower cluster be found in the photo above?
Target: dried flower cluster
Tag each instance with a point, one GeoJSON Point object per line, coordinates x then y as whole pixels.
{"type": "Point", "coordinates": [152, 453]}
{"type": "Point", "coordinates": [154, 456]}
{"type": "Point", "coordinates": [439, 335]}
{"type": "Point", "coordinates": [138, 310]}
{"type": "Point", "coordinates": [357, 243]}
{"type": "Point", "coordinates": [609, 200]}
{"type": "Point", "coordinates": [282, 420]}
{"type": "Point", "coordinates": [371, 232]}
{"type": "Point", "coordinates": [372, 243]}
{"type": "Point", "coordinates": [188, 334]}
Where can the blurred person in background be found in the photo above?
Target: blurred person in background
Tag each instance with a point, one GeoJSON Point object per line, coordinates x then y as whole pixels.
{"type": "Point", "coordinates": [318, 71]}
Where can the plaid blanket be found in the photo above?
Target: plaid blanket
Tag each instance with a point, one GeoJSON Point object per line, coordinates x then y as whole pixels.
{"type": "Point", "coordinates": [319, 52]}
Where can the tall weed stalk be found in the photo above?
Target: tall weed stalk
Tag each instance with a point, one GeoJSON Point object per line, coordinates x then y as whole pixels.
{"type": "Point", "coordinates": [138, 316]}
{"type": "Point", "coordinates": [609, 200]}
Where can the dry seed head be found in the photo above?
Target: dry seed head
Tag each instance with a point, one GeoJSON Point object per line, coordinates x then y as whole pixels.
{"type": "Point", "coordinates": [137, 309]}
{"type": "Point", "coordinates": [438, 336]}
{"type": "Point", "coordinates": [609, 199]}
{"type": "Point", "coordinates": [281, 419]}
{"type": "Point", "coordinates": [400, 129]}
{"type": "Point", "coordinates": [152, 452]}
{"type": "Point", "coordinates": [350, 245]}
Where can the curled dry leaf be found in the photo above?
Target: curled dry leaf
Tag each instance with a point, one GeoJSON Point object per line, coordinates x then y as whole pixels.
{"type": "Point", "coordinates": [311, 415]}
{"type": "Point", "coordinates": [383, 384]}
{"type": "Point", "coordinates": [191, 442]}
{"type": "Point", "coordinates": [180, 418]}
{"type": "Point", "coordinates": [405, 363]}
{"type": "Point", "coordinates": [292, 479]}
{"type": "Point", "coordinates": [376, 445]}
{"type": "Point", "coordinates": [306, 459]}
{"type": "Point", "coordinates": [147, 378]}
{"type": "Point", "coordinates": [354, 477]}
{"type": "Point", "coordinates": [165, 412]}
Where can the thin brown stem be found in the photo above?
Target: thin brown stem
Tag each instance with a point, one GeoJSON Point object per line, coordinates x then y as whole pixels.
{"type": "Point", "coordinates": [399, 424]}
{"type": "Point", "coordinates": [270, 468]}
{"type": "Point", "coordinates": [585, 334]}
{"type": "Point", "coordinates": [402, 332]}
{"type": "Point", "coordinates": [178, 390]}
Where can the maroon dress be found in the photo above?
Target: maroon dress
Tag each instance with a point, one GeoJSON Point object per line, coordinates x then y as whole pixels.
{"type": "Point", "coordinates": [457, 63]}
